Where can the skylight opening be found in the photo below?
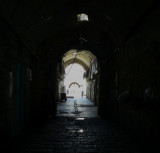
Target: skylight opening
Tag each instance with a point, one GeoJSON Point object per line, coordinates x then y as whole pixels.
{"type": "Point", "coordinates": [82, 17]}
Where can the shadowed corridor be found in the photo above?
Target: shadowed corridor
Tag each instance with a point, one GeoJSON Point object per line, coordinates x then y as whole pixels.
{"type": "Point", "coordinates": [110, 102]}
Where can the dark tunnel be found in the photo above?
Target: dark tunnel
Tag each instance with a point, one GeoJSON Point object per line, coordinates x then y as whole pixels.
{"type": "Point", "coordinates": [116, 45]}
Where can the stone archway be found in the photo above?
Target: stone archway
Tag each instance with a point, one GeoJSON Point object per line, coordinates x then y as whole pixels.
{"type": "Point", "coordinates": [73, 83]}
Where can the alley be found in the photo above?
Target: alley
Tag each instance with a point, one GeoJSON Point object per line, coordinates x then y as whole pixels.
{"type": "Point", "coordinates": [76, 129]}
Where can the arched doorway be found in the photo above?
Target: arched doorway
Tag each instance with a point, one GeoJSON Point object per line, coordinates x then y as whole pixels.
{"type": "Point", "coordinates": [74, 81]}
{"type": "Point", "coordinates": [74, 89]}
{"type": "Point", "coordinates": [85, 67]}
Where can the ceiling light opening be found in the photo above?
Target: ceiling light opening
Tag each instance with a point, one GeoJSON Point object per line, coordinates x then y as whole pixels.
{"type": "Point", "coordinates": [82, 17]}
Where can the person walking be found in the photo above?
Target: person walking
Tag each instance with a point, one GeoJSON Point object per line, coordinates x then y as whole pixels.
{"type": "Point", "coordinates": [82, 93]}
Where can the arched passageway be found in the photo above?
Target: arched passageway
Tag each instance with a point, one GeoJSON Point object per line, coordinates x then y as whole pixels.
{"type": "Point", "coordinates": [78, 69]}
{"type": "Point", "coordinates": [74, 80]}
{"type": "Point", "coordinates": [36, 47]}
{"type": "Point", "coordinates": [74, 83]}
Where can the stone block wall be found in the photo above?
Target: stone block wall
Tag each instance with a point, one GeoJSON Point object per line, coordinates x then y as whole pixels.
{"type": "Point", "coordinates": [132, 96]}
{"type": "Point", "coordinates": [22, 85]}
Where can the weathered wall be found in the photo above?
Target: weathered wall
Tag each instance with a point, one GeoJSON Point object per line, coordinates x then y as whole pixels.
{"type": "Point", "coordinates": [45, 84]}
{"type": "Point", "coordinates": [91, 90]}
{"type": "Point", "coordinates": [132, 82]}
{"type": "Point", "coordinates": [25, 89]}
{"type": "Point", "coordinates": [11, 57]}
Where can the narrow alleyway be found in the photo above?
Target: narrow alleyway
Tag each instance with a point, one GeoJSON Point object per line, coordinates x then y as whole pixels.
{"type": "Point", "coordinates": [106, 50]}
{"type": "Point", "coordinates": [76, 129]}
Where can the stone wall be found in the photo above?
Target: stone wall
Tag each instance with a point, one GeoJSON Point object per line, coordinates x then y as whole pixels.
{"type": "Point", "coordinates": [22, 85]}
{"type": "Point", "coordinates": [91, 90]}
{"type": "Point", "coordinates": [132, 83]}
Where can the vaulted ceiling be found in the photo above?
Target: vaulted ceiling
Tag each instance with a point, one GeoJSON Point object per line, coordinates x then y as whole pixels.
{"type": "Point", "coordinates": [82, 57]}
{"type": "Point", "coordinates": [35, 21]}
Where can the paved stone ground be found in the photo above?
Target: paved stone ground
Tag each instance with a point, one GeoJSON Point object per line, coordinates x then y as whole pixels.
{"type": "Point", "coordinates": [76, 133]}
{"type": "Point", "coordinates": [77, 107]}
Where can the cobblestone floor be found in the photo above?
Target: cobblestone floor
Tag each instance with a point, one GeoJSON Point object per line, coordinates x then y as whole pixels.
{"type": "Point", "coordinates": [75, 134]}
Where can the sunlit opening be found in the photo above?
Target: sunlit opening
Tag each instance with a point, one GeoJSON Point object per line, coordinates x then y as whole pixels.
{"type": "Point", "coordinates": [74, 82]}
{"type": "Point", "coordinates": [82, 17]}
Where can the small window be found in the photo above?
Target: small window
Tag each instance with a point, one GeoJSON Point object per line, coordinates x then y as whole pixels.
{"type": "Point", "coordinates": [82, 17]}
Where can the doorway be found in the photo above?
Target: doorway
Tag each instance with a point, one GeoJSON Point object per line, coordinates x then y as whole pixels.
{"type": "Point", "coordinates": [78, 74]}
